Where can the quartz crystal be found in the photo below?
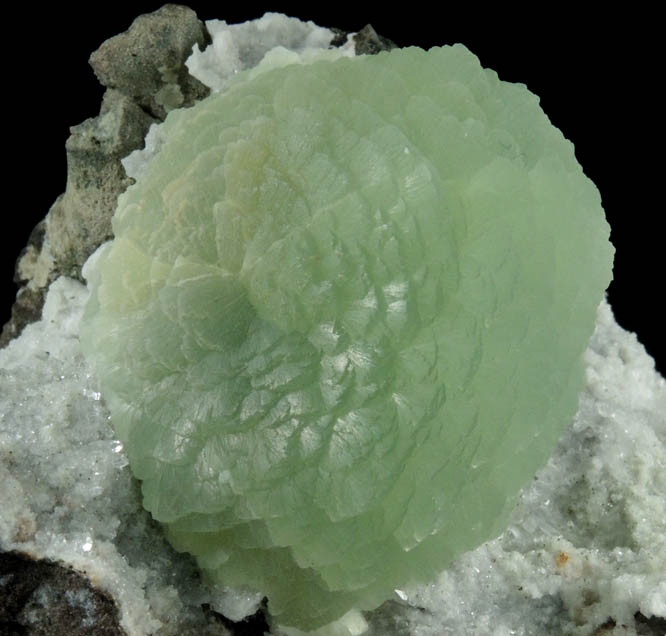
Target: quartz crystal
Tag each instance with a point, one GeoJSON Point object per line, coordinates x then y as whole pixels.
{"type": "Point", "coordinates": [342, 321]}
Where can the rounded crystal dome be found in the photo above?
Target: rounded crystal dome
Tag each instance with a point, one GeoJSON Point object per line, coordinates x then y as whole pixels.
{"type": "Point", "coordinates": [342, 319]}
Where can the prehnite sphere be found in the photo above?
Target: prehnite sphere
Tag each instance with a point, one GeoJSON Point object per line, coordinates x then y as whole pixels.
{"type": "Point", "coordinates": [342, 321]}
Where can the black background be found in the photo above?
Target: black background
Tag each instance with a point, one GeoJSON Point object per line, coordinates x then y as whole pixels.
{"type": "Point", "coordinates": [598, 76]}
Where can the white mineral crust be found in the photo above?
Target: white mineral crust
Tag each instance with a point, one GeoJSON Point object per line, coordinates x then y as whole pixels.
{"type": "Point", "coordinates": [237, 47]}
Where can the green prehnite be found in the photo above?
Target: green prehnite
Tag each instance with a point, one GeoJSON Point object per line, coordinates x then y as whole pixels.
{"type": "Point", "coordinates": [342, 321]}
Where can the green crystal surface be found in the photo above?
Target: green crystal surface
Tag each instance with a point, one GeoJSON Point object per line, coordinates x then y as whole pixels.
{"type": "Point", "coordinates": [342, 321]}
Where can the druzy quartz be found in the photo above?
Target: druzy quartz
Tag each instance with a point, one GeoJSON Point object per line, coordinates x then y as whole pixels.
{"type": "Point", "coordinates": [342, 320]}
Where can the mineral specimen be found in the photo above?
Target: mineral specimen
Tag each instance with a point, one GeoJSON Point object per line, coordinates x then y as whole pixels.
{"type": "Point", "coordinates": [342, 321]}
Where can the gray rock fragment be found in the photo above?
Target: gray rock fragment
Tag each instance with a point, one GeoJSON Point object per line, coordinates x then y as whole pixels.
{"type": "Point", "coordinates": [147, 61]}
{"type": "Point", "coordinates": [27, 308]}
{"type": "Point", "coordinates": [367, 41]}
{"type": "Point", "coordinates": [81, 220]}
{"type": "Point", "coordinates": [33, 263]}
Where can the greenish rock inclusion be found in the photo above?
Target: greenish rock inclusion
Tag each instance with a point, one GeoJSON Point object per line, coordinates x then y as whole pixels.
{"type": "Point", "coordinates": [342, 320]}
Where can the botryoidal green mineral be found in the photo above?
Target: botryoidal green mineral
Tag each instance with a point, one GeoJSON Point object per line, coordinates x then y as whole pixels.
{"type": "Point", "coordinates": [342, 321]}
